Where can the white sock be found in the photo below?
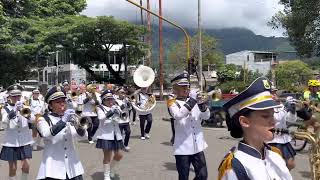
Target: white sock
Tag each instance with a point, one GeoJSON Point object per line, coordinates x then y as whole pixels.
{"type": "Point", "coordinates": [107, 172]}
{"type": "Point", "coordinates": [38, 140]}
{"type": "Point", "coordinates": [24, 176]}
{"type": "Point", "coordinates": [12, 178]}
{"type": "Point", "coordinates": [113, 164]}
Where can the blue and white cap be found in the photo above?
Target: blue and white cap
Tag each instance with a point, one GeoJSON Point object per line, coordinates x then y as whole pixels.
{"type": "Point", "coordinates": [181, 79]}
{"type": "Point", "coordinates": [107, 94]}
{"type": "Point", "coordinates": [256, 97]}
{"type": "Point", "coordinates": [54, 93]}
{"type": "Point", "coordinates": [15, 90]}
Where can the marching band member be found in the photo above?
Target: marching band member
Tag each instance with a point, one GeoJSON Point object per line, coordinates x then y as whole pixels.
{"type": "Point", "coordinates": [59, 158]}
{"type": "Point", "coordinates": [37, 106]}
{"type": "Point", "coordinates": [125, 106]}
{"type": "Point", "coordinates": [143, 97]}
{"type": "Point", "coordinates": [18, 138]}
{"type": "Point", "coordinates": [3, 101]}
{"type": "Point", "coordinates": [189, 142]}
{"type": "Point", "coordinates": [109, 135]}
{"type": "Point", "coordinates": [90, 100]}
{"type": "Point", "coordinates": [282, 115]}
{"type": "Point", "coordinates": [250, 115]}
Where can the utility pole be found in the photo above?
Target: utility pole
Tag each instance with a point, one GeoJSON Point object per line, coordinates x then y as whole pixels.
{"type": "Point", "coordinates": [160, 51]}
{"type": "Point", "coordinates": [200, 45]}
{"type": "Point", "coordinates": [149, 34]}
{"type": "Point", "coordinates": [57, 68]}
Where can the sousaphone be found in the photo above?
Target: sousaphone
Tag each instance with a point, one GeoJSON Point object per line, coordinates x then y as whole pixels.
{"type": "Point", "coordinates": [143, 77]}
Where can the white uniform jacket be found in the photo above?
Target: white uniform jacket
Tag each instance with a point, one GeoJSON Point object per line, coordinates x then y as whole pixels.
{"type": "Point", "coordinates": [141, 101]}
{"type": "Point", "coordinates": [272, 167]}
{"type": "Point", "coordinates": [37, 106]}
{"type": "Point", "coordinates": [124, 107]}
{"type": "Point", "coordinates": [59, 156]}
{"type": "Point", "coordinates": [281, 117]}
{"type": "Point", "coordinates": [89, 108]}
{"type": "Point", "coordinates": [17, 131]}
{"type": "Point", "coordinates": [108, 128]}
{"type": "Point", "coordinates": [189, 137]}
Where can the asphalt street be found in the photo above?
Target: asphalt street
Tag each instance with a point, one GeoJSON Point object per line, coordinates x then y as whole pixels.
{"type": "Point", "coordinates": [153, 159]}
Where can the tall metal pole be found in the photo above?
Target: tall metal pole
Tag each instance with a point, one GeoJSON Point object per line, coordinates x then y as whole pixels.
{"type": "Point", "coordinates": [149, 34]}
{"type": "Point", "coordinates": [57, 68]}
{"type": "Point", "coordinates": [160, 51]}
{"type": "Point", "coordinates": [141, 13]}
{"type": "Point", "coordinates": [200, 45]}
{"type": "Point", "coordinates": [187, 38]}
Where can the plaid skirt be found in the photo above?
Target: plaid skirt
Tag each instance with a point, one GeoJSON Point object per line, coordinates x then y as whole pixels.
{"type": "Point", "coordinates": [16, 153]}
{"type": "Point", "coordinates": [109, 144]}
{"type": "Point", "coordinates": [286, 150]}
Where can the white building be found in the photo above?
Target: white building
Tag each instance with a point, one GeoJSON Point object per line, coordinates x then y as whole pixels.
{"type": "Point", "coordinates": [253, 60]}
{"type": "Point", "coordinates": [67, 70]}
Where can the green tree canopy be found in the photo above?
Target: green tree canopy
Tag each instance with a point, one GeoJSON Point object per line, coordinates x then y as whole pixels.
{"type": "Point", "coordinates": [301, 20]}
{"type": "Point", "coordinates": [210, 54]}
{"type": "Point", "coordinates": [292, 75]}
{"type": "Point", "coordinates": [90, 39]}
{"type": "Point", "coordinates": [42, 8]}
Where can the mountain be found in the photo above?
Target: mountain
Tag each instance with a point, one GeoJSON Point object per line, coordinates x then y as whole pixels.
{"type": "Point", "coordinates": [230, 40]}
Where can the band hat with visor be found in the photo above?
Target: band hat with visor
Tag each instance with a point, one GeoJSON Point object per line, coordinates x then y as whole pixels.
{"type": "Point", "coordinates": [181, 79]}
{"type": "Point", "coordinates": [15, 90]}
{"type": "Point", "coordinates": [256, 97]}
{"type": "Point", "coordinates": [107, 94]}
{"type": "Point", "coordinates": [54, 93]}
{"type": "Point", "coordinates": [36, 91]}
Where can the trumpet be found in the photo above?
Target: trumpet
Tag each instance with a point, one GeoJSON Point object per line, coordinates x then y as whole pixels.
{"type": "Point", "coordinates": [118, 115]}
{"type": "Point", "coordinates": [81, 122]}
{"type": "Point", "coordinates": [25, 111]}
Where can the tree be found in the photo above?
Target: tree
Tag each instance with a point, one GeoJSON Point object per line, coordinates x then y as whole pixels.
{"type": "Point", "coordinates": [210, 54]}
{"type": "Point", "coordinates": [228, 72]}
{"type": "Point", "coordinates": [13, 63]}
{"type": "Point", "coordinates": [292, 75]}
{"type": "Point", "coordinates": [89, 40]}
{"type": "Point", "coordinates": [301, 20]}
{"type": "Point", "coordinates": [42, 8]}
{"type": "Point", "coordinates": [20, 36]}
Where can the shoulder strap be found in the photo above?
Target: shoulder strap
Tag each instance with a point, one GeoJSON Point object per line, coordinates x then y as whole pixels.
{"type": "Point", "coordinates": [102, 108]}
{"type": "Point", "coordinates": [230, 162]}
{"type": "Point", "coordinates": [47, 118]}
{"type": "Point", "coordinates": [239, 169]}
{"type": "Point", "coordinates": [7, 109]}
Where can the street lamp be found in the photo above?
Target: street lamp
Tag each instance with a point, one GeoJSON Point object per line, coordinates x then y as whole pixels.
{"type": "Point", "coordinates": [59, 46]}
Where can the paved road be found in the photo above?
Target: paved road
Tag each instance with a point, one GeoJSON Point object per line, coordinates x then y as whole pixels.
{"type": "Point", "coordinates": [152, 159]}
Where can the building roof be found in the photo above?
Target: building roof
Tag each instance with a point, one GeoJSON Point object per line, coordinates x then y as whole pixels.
{"type": "Point", "coordinates": [254, 51]}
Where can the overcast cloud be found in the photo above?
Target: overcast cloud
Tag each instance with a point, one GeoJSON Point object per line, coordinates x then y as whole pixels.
{"type": "Point", "coordinates": [250, 14]}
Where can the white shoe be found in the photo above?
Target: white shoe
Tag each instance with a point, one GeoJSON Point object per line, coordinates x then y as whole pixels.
{"type": "Point", "coordinates": [133, 123]}
{"type": "Point", "coordinates": [147, 136]}
{"type": "Point", "coordinates": [127, 148]}
{"type": "Point", "coordinates": [91, 142]}
{"type": "Point", "coordinates": [142, 138]}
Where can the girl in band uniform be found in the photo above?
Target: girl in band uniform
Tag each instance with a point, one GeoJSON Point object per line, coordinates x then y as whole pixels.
{"type": "Point", "coordinates": [109, 135]}
{"type": "Point", "coordinates": [59, 158]}
{"type": "Point", "coordinates": [250, 115]}
{"type": "Point", "coordinates": [18, 137]}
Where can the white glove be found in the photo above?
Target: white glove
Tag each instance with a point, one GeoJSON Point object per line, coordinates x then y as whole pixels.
{"type": "Point", "coordinates": [194, 94]}
{"type": "Point", "coordinates": [18, 106]}
{"type": "Point", "coordinates": [67, 114]}
{"type": "Point", "coordinates": [114, 108]}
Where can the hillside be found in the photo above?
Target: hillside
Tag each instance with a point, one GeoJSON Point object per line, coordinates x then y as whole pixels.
{"type": "Point", "coordinates": [230, 40]}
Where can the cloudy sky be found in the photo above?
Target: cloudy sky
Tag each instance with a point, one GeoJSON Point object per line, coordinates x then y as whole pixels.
{"type": "Point", "coordinates": [251, 14]}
